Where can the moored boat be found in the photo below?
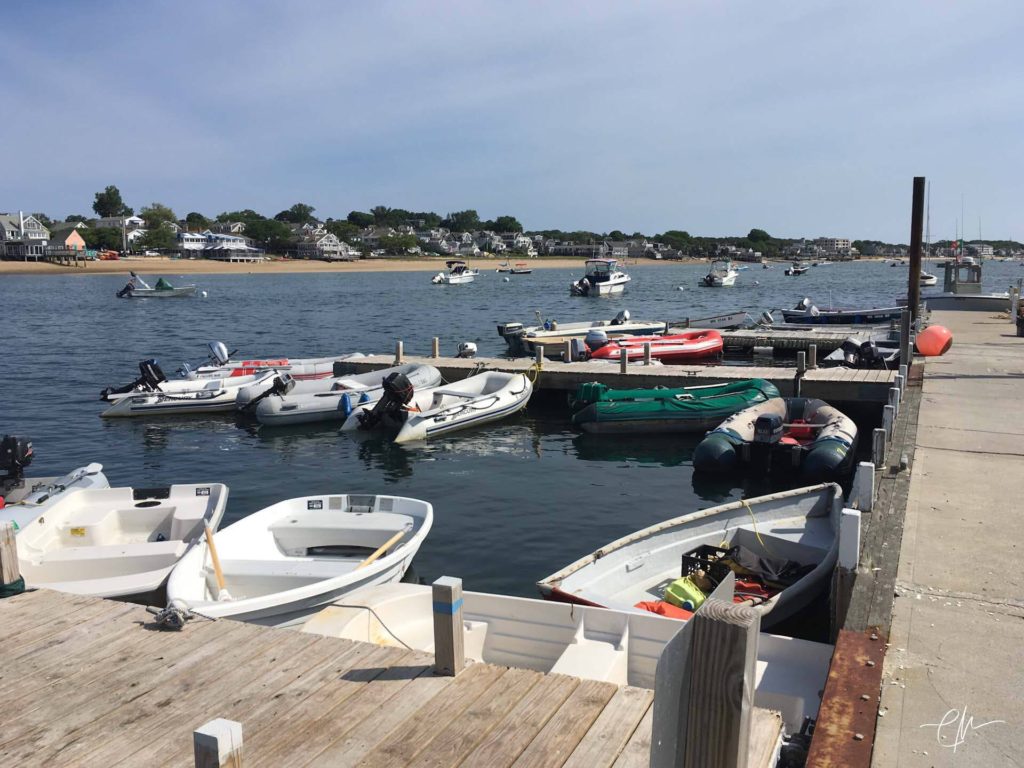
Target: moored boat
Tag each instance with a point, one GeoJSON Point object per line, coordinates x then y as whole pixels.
{"type": "Point", "coordinates": [721, 275]}
{"type": "Point", "coordinates": [279, 565]}
{"type": "Point", "coordinates": [599, 409]}
{"type": "Point", "coordinates": [793, 434]}
{"type": "Point", "coordinates": [189, 396]}
{"type": "Point", "coordinates": [602, 278]}
{"type": "Point", "coordinates": [782, 547]}
{"type": "Point", "coordinates": [138, 289]}
{"type": "Point", "coordinates": [523, 339]}
{"type": "Point", "coordinates": [521, 268]}
{"type": "Point", "coordinates": [420, 414]}
{"type": "Point", "coordinates": [458, 272]}
{"type": "Point", "coordinates": [796, 269]}
{"type": "Point", "coordinates": [117, 542]}
{"type": "Point", "coordinates": [928, 278]}
{"type": "Point", "coordinates": [807, 313]}
{"type": "Point", "coordinates": [671, 348]}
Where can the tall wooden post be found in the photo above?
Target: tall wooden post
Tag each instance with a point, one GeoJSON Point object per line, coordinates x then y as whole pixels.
{"type": "Point", "coordinates": [399, 352]}
{"type": "Point", "coordinates": [435, 347]}
{"type": "Point", "coordinates": [449, 652]}
{"type": "Point", "coordinates": [906, 350]}
{"type": "Point", "coordinates": [10, 571]}
{"type": "Point", "coordinates": [538, 350]}
{"type": "Point", "coordinates": [916, 225]}
{"type": "Point", "coordinates": [218, 744]}
{"type": "Point", "coordinates": [623, 360]}
{"type": "Point", "coordinates": [812, 356]}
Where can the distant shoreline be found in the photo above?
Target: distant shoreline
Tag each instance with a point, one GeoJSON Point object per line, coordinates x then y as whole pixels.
{"type": "Point", "coordinates": [158, 265]}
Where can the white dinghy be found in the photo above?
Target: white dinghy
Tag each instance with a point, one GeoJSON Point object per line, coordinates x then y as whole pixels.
{"type": "Point", "coordinates": [799, 526]}
{"type": "Point", "coordinates": [281, 564]}
{"type": "Point", "coordinates": [23, 499]}
{"type": "Point", "coordinates": [619, 647]}
{"type": "Point", "coordinates": [117, 542]}
{"type": "Point", "coordinates": [220, 365]}
{"type": "Point", "coordinates": [291, 402]}
{"type": "Point", "coordinates": [421, 414]}
{"type": "Point", "coordinates": [186, 397]}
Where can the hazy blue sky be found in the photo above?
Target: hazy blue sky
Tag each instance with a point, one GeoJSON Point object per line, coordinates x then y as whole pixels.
{"type": "Point", "coordinates": [803, 118]}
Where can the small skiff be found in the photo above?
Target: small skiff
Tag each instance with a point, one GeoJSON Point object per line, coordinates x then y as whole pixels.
{"type": "Point", "coordinates": [793, 434]}
{"type": "Point", "coordinates": [674, 348]}
{"type": "Point", "coordinates": [185, 397]}
{"type": "Point", "coordinates": [929, 279]}
{"type": "Point", "coordinates": [281, 564]}
{"type": "Point", "coordinates": [798, 527]}
{"type": "Point", "coordinates": [165, 291]}
{"type": "Point", "coordinates": [523, 340]}
{"type": "Point", "coordinates": [23, 499]}
{"type": "Point", "coordinates": [807, 314]}
{"type": "Point", "coordinates": [333, 399]}
{"type": "Point", "coordinates": [601, 410]}
{"type": "Point", "coordinates": [421, 414]}
{"type": "Point", "coordinates": [617, 647]}
{"type": "Point", "coordinates": [117, 542]}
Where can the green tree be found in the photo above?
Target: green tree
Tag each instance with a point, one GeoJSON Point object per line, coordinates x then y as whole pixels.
{"type": "Point", "coordinates": [102, 238]}
{"type": "Point", "coordinates": [343, 230]}
{"type": "Point", "coordinates": [300, 213]}
{"type": "Point", "coordinates": [159, 238]}
{"type": "Point", "coordinates": [616, 234]}
{"type": "Point", "coordinates": [75, 218]}
{"type": "Point", "coordinates": [275, 236]}
{"type": "Point", "coordinates": [398, 243]}
{"type": "Point", "coordinates": [758, 236]}
{"type": "Point", "coordinates": [381, 215]}
{"type": "Point", "coordinates": [196, 222]}
{"type": "Point", "coordinates": [247, 215]}
{"type": "Point", "coordinates": [462, 221]}
{"type": "Point", "coordinates": [676, 238]}
{"type": "Point", "coordinates": [361, 219]}
{"type": "Point", "coordinates": [157, 214]}
{"type": "Point", "coordinates": [507, 224]}
{"type": "Point", "coordinates": [109, 203]}
{"type": "Point", "coordinates": [430, 219]}
{"type": "Point", "coordinates": [43, 219]}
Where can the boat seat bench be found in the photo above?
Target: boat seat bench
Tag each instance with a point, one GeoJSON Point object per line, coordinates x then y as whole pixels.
{"type": "Point", "coordinates": [335, 528]}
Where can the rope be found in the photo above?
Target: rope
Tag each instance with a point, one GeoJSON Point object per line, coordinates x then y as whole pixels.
{"type": "Point", "coordinates": [378, 618]}
{"type": "Point", "coordinates": [757, 533]}
{"type": "Point", "coordinates": [175, 615]}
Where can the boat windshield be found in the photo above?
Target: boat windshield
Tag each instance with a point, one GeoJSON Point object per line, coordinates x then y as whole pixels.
{"type": "Point", "coordinates": [602, 267]}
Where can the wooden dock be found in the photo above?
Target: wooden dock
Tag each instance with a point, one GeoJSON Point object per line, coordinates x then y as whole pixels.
{"type": "Point", "coordinates": [831, 384]}
{"type": "Point", "coordinates": [92, 682]}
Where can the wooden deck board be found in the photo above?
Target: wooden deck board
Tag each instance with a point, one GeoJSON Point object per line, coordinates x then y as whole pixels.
{"type": "Point", "coordinates": [637, 752]}
{"type": "Point", "coordinates": [563, 732]}
{"type": "Point", "coordinates": [612, 730]}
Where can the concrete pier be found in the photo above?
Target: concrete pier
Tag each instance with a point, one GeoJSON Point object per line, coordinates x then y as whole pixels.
{"type": "Point", "coordinates": [953, 681]}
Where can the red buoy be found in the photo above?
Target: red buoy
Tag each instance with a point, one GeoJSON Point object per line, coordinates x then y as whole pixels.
{"type": "Point", "coordinates": [935, 340]}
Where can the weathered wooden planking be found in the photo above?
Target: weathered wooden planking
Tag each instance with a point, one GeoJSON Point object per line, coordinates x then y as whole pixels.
{"type": "Point", "coordinates": [507, 740]}
{"type": "Point", "coordinates": [637, 752]}
{"type": "Point", "coordinates": [613, 729]}
{"type": "Point", "coordinates": [566, 728]}
{"type": "Point", "coordinates": [406, 741]}
{"type": "Point", "coordinates": [464, 733]}
{"type": "Point", "coordinates": [33, 610]}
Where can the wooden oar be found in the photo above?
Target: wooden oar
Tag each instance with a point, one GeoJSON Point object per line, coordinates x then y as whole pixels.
{"type": "Point", "coordinates": [381, 549]}
{"type": "Point", "coordinates": [217, 572]}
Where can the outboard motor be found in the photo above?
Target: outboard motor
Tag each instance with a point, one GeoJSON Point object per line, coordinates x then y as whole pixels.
{"type": "Point", "coordinates": [219, 352]}
{"type": "Point", "coordinates": [595, 339]}
{"type": "Point", "coordinates": [767, 434]}
{"type": "Point", "coordinates": [766, 318]}
{"type": "Point", "coordinates": [621, 318]}
{"type": "Point", "coordinates": [851, 352]}
{"type": "Point", "coordinates": [150, 378]}
{"type": "Point", "coordinates": [509, 331]}
{"type": "Point", "coordinates": [466, 349]}
{"type": "Point", "coordinates": [869, 355]}
{"type": "Point", "coordinates": [804, 304]}
{"type": "Point", "coordinates": [15, 455]}
{"type": "Point", "coordinates": [282, 384]}
{"type": "Point", "coordinates": [578, 350]}
{"type": "Point", "coordinates": [398, 392]}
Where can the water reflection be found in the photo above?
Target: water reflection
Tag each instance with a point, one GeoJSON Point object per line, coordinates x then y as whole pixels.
{"type": "Point", "coordinates": [659, 450]}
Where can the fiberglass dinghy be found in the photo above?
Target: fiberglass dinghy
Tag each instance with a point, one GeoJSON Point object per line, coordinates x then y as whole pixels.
{"type": "Point", "coordinates": [419, 414]}
{"type": "Point", "coordinates": [117, 542]}
{"type": "Point", "coordinates": [599, 409]}
{"type": "Point", "coordinates": [281, 564]}
{"type": "Point", "coordinates": [791, 434]}
{"type": "Point", "coordinates": [331, 399]}
{"type": "Point", "coordinates": [806, 313]}
{"type": "Point", "coordinates": [782, 547]}
{"type": "Point", "coordinates": [138, 289]}
{"type": "Point", "coordinates": [23, 499]}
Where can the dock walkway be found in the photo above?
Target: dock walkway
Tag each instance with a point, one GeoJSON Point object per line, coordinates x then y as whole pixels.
{"type": "Point", "coordinates": [87, 682]}
{"type": "Point", "coordinates": [953, 675]}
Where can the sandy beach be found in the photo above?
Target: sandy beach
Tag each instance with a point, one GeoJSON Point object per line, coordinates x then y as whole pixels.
{"type": "Point", "coordinates": [152, 265]}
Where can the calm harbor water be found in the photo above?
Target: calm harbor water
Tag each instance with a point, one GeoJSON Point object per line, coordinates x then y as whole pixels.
{"type": "Point", "coordinates": [513, 501]}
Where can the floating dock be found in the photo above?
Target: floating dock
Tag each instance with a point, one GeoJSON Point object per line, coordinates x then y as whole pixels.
{"type": "Point", "coordinates": [830, 384]}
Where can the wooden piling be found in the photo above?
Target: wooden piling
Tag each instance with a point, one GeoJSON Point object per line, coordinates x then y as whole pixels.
{"type": "Point", "coordinates": [878, 446]}
{"type": "Point", "coordinates": [914, 273]}
{"type": "Point", "coordinates": [399, 352]}
{"type": "Point", "coordinates": [863, 491]}
{"type": "Point", "coordinates": [647, 353]}
{"type": "Point", "coordinates": [567, 352]}
{"type": "Point", "coordinates": [10, 571]}
{"type": "Point", "coordinates": [812, 356]}
{"type": "Point", "coordinates": [906, 351]}
{"type": "Point", "coordinates": [435, 347]}
{"type": "Point", "coordinates": [900, 383]}
{"type": "Point", "coordinates": [449, 652]}
{"type": "Point", "coordinates": [888, 420]}
{"type": "Point", "coordinates": [218, 744]}
{"type": "Point", "coordinates": [894, 400]}
{"type": "Point", "coordinates": [539, 352]}
{"type": "Point", "coordinates": [623, 360]}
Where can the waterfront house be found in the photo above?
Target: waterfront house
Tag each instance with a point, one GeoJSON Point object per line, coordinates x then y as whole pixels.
{"type": "Point", "coordinates": [22, 236]}
{"type": "Point", "coordinates": [64, 238]}
{"type": "Point", "coordinates": [228, 227]}
{"type": "Point", "coordinates": [327, 247]}
{"type": "Point", "coordinates": [118, 222]}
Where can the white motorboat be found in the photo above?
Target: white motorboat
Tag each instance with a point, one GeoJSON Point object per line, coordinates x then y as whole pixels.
{"type": "Point", "coordinates": [23, 499]}
{"type": "Point", "coordinates": [617, 647]}
{"type": "Point", "coordinates": [523, 340]}
{"type": "Point", "coordinates": [929, 279]}
{"type": "Point", "coordinates": [117, 542]}
{"type": "Point", "coordinates": [421, 414]}
{"type": "Point", "coordinates": [290, 402]}
{"type": "Point", "coordinates": [602, 278]}
{"type": "Point", "coordinates": [188, 396]}
{"type": "Point", "coordinates": [281, 564]}
{"type": "Point", "coordinates": [458, 272]}
{"type": "Point", "coordinates": [799, 527]}
{"type": "Point", "coordinates": [721, 275]}
{"type": "Point", "coordinates": [796, 269]}
{"type": "Point", "coordinates": [138, 289]}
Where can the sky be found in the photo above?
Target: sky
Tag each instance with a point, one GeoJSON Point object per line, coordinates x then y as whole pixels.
{"type": "Point", "coordinates": [803, 118]}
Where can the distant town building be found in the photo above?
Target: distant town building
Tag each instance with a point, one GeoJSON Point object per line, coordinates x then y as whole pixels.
{"type": "Point", "coordinates": [65, 238]}
{"type": "Point", "coordinates": [983, 250]}
{"type": "Point", "coordinates": [326, 247]}
{"type": "Point", "coordinates": [22, 236]}
{"type": "Point", "coordinates": [118, 222]}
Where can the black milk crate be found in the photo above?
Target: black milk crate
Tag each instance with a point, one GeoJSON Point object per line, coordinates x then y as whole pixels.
{"type": "Point", "coordinates": [708, 559]}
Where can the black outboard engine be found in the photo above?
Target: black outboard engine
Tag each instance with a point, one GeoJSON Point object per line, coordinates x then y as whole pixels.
{"type": "Point", "coordinates": [869, 355]}
{"type": "Point", "coordinates": [15, 455]}
{"type": "Point", "coordinates": [150, 378]}
{"type": "Point", "coordinates": [282, 384]}
{"type": "Point", "coordinates": [851, 352]}
{"type": "Point", "coordinates": [398, 391]}
{"type": "Point", "coordinates": [767, 434]}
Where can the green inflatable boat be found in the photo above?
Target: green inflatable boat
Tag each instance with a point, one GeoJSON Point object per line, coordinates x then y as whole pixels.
{"type": "Point", "coordinates": [600, 410]}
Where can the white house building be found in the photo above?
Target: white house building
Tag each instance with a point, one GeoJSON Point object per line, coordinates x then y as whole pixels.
{"type": "Point", "coordinates": [327, 246]}
{"type": "Point", "coordinates": [22, 237]}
